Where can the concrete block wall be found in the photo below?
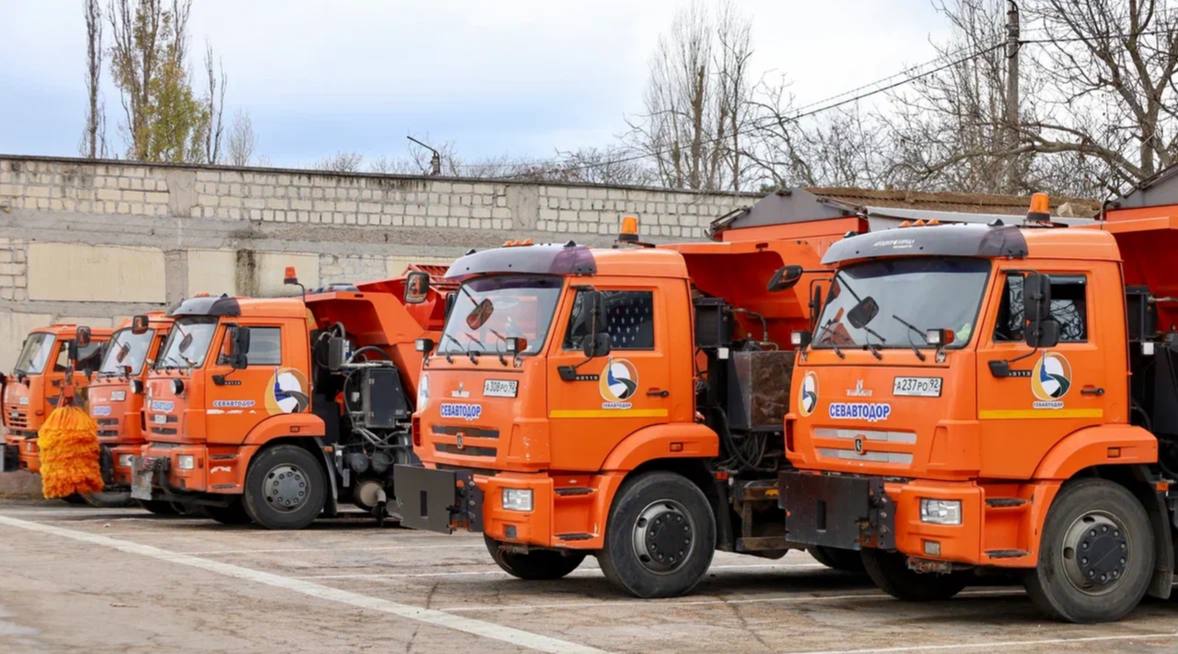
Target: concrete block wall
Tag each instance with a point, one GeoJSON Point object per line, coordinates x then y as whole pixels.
{"type": "Point", "coordinates": [94, 241]}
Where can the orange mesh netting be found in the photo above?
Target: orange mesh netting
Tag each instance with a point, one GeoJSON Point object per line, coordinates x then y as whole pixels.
{"type": "Point", "coordinates": [68, 441]}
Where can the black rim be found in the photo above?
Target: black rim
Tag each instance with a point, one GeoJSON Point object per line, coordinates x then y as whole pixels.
{"type": "Point", "coordinates": [664, 536]}
{"type": "Point", "coordinates": [1095, 552]}
{"type": "Point", "coordinates": [285, 487]}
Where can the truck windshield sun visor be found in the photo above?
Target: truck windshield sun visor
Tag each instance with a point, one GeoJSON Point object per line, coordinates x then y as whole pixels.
{"type": "Point", "coordinates": [937, 241]}
{"type": "Point", "coordinates": [567, 259]}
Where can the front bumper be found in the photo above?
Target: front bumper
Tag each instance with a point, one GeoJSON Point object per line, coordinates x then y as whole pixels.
{"type": "Point", "coordinates": [437, 500]}
{"type": "Point", "coordinates": [156, 473]}
{"type": "Point", "coordinates": [30, 455]}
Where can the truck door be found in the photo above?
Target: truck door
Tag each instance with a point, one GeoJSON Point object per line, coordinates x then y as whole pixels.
{"type": "Point", "coordinates": [1049, 392]}
{"type": "Point", "coordinates": [611, 396]}
{"type": "Point", "coordinates": [237, 400]}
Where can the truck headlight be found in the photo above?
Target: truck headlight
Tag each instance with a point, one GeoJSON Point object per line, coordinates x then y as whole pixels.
{"type": "Point", "coordinates": [940, 512]}
{"type": "Point", "coordinates": [186, 462]}
{"type": "Point", "coordinates": [422, 392]}
{"type": "Point", "coordinates": [517, 499]}
{"type": "Point", "coordinates": [125, 460]}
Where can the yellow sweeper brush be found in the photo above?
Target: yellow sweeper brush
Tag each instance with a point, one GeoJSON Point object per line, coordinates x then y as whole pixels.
{"type": "Point", "coordinates": [68, 441]}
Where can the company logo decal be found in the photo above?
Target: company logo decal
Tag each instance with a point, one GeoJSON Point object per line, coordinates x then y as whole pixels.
{"type": "Point", "coordinates": [859, 391]}
{"type": "Point", "coordinates": [162, 405]}
{"type": "Point", "coordinates": [24, 401]}
{"type": "Point", "coordinates": [1051, 378]}
{"type": "Point", "coordinates": [100, 409]}
{"type": "Point", "coordinates": [287, 392]}
{"type": "Point", "coordinates": [808, 398]}
{"type": "Point", "coordinates": [460, 392]}
{"type": "Point", "coordinates": [118, 396]}
{"type": "Point", "coordinates": [462, 410]}
{"type": "Point", "coordinates": [618, 383]}
{"type": "Point", "coordinates": [869, 411]}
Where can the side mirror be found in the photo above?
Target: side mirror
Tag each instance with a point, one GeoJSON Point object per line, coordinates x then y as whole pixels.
{"type": "Point", "coordinates": [815, 304]}
{"type": "Point", "coordinates": [416, 287]}
{"type": "Point", "coordinates": [450, 299]}
{"type": "Point", "coordinates": [139, 324]}
{"type": "Point", "coordinates": [863, 312]}
{"type": "Point", "coordinates": [785, 277]}
{"type": "Point", "coordinates": [235, 347]}
{"type": "Point", "coordinates": [1037, 310]}
{"type": "Point", "coordinates": [124, 350]}
{"type": "Point", "coordinates": [480, 314]}
{"type": "Point", "coordinates": [597, 340]}
{"type": "Point", "coordinates": [1044, 335]}
{"type": "Point", "coordinates": [82, 336]}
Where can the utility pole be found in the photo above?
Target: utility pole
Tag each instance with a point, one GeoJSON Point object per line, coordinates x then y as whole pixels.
{"type": "Point", "coordinates": [1012, 117]}
{"type": "Point", "coordinates": [435, 160]}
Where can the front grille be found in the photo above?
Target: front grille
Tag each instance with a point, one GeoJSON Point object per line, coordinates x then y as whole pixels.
{"type": "Point", "coordinates": [467, 450]}
{"type": "Point", "coordinates": [467, 432]}
{"type": "Point", "coordinates": [16, 418]}
{"type": "Point", "coordinates": [164, 431]}
{"type": "Point", "coordinates": [862, 445]}
{"type": "Point", "coordinates": [107, 422]}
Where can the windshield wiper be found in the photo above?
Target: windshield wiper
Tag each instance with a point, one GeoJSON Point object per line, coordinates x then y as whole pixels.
{"type": "Point", "coordinates": [915, 348]}
{"type": "Point", "coordinates": [874, 348]}
{"type": "Point", "coordinates": [834, 346]}
{"type": "Point", "coordinates": [474, 354]}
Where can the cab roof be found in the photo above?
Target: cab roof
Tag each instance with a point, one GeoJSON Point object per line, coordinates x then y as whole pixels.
{"type": "Point", "coordinates": [225, 305]}
{"type": "Point", "coordinates": [569, 259]}
{"type": "Point", "coordinates": [67, 329]}
{"type": "Point", "coordinates": [987, 241]}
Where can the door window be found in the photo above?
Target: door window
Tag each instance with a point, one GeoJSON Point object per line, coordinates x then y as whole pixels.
{"type": "Point", "coordinates": [1069, 307]}
{"type": "Point", "coordinates": [629, 320]}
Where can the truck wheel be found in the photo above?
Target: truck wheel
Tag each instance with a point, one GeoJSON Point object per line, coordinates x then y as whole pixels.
{"type": "Point", "coordinates": [889, 571]}
{"type": "Point", "coordinates": [231, 514]}
{"type": "Point", "coordinates": [660, 536]}
{"type": "Point", "coordinates": [1096, 556]}
{"type": "Point", "coordinates": [537, 564]}
{"type": "Point", "coordinates": [74, 498]}
{"type": "Point", "coordinates": [285, 488]}
{"type": "Point", "coordinates": [108, 499]}
{"type": "Point", "coordinates": [838, 559]}
{"type": "Point", "coordinates": [160, 507]}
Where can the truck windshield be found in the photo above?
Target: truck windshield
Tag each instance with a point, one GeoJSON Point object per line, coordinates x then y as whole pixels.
{"type": "Point", "coordinates": [489, 310]}
{"type": "Point", "coordinates": [188, 343]}
{"type": "Point", "coordinates": [126, 350]}
{"type": "Point", "coordinates": [912, 295]}
{"type": "Point", "coordinates": [35, 353]}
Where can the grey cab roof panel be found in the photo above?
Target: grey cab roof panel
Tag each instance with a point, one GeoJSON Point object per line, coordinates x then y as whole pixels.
{"type": "Point", "coordinates": [221, 305]}
{"type": "Point", "coordinates": [567, 259]}
{"type": "Point", "coordinates": [941, 240]}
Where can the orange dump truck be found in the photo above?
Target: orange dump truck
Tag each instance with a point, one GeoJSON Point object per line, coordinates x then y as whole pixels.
{"type": "Point", "coordinates": [626, 402]}
{"type": "Point", "coordinates": [277, 410]}
{"type": "Point", "coordinates": [116, 394]}
{"type": "Point", "coordinates": [981, 398]}
{"type": "Point", "coordinates": [39, 381]}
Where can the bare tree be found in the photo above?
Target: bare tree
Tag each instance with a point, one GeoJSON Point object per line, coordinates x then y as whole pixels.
{"type": "Point", "coordinates": [214, 128]}
{"type": "Point", "coordinates": [1114, 65]}
{"type": "Point", "coordinates": [695, 100]}
{"type": "Point", "coordinates": [94, 136]}
{"type": "Point", "coordinates": [242, 140]}
{"type": "Point", "coordinates": [341, 162]}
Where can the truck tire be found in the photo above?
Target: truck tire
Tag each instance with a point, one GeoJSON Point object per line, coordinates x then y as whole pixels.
{"type": "Point", "coordinates": [660, 536]}
{"type": "Point", "coordinates": [160, 507]}
{"type": "Point", "coordinates": [108, 499]}
{"type": "Point", "coordinates": [838, 559]}
{"type": "Point", "coordinates": [535, 565]}
{"type": "Point", "coordinates": [74, 498]}
{"type": "Point", "coordinates": [889, 571]}
{"type": "Point", "coordinates": [231, 514]}
{"type": "Point", "coordinates": [285, 488]}
{"type": "Point", "coordinates": [1103, 519]}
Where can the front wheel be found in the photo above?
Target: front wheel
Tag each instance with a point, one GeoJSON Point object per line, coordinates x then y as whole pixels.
{"type": "Point", "coordinates": [1096, 556]}
{"type": "Point", "coordinates": [534, 565]}
{"type": "Point", "coordinates": [285, 488]}
{"type": "Point", "coordinates": [660, 536]}
{"type": "Point", "coordinates": [74, 498]}
{"type": "Point", "coordinates": [108, 499]}
{"type": "Point", "coordinates": [890, 572]}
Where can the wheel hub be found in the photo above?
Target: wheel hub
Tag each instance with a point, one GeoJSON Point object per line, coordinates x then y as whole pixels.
{"type": "Point", "coordinates": [1096, 552]}
{"type": "Point", "coordinates": [663, 536]}
{"type": "Point", "coordinates": [285, 487]}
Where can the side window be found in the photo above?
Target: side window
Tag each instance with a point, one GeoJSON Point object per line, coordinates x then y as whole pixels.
{"type": "Point", "coordinates": [1069, 307]}
{"type": "Point", "coordinates": [265, 347]}
{"type": "Point", "coordinates": [629, 320]}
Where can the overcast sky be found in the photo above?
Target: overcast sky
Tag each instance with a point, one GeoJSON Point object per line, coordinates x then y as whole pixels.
{"type": "Point", "coordinates": [520, 78]}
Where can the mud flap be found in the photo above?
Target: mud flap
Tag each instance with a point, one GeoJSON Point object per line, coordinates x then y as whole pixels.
{"type": "Point", "coordinates": [437, 500]}
{"type": "Point", "coordinates": [843, 511]}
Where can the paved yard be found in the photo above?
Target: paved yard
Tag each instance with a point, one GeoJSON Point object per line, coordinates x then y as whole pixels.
{"type": "Point", "coordinates": [77, 578]}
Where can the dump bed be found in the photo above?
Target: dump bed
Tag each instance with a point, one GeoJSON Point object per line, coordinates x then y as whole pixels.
{"type": "Point", "coordinates": [1148, 240]}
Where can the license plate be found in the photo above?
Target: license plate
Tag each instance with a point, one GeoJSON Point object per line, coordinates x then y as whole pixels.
{"type": "Point", "coordinates": [500, 387]}
{"type": "Point", "coordinates": [917, 386]}
{"type": "Point", "coordinates": [159, 418]}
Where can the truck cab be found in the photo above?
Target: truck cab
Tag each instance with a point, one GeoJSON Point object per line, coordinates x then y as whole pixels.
{"type": "Point", "coordinates": [116, 396]}
{"type": "Point", "coordinates": [39, 383]}
{"type": "Point", "coordinates": [275, 410]}
{"type": "Point", "coordinates": [963, 404]}
{"type": "Point", "coordinates": [625, 401]}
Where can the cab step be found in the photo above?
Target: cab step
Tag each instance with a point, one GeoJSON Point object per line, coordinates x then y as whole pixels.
{"type": "Point", "coordinates": [1005, 502]}
{"type": "Point", "coordinates": [566, 491]}
{"type": "Point", "coordinates": [1006, 554]}
{"type": "Point", "coordinates": [574, 536]}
